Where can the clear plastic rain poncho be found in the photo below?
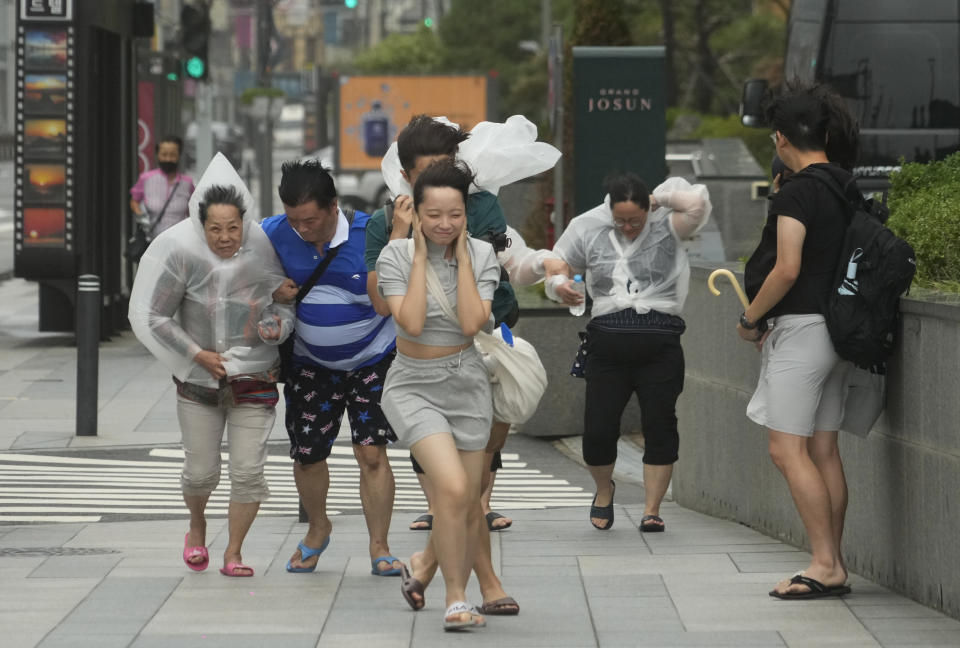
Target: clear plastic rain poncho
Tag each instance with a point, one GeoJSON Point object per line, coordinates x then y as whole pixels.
{"type": "Point", "coordinates": [186, 299]}
{"type": "Point", "coordinates": [498, 153]}
{"type": "Point", "coordinates": [523, 265]}
{"type": "Point", "coordinates": [652, 271]}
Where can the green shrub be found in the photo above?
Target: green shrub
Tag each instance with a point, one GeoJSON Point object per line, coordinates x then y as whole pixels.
{"type": "Point", "coordinates": [924, 201]}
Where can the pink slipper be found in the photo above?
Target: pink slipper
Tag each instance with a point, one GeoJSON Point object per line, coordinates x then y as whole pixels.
{"type": "Point", "coordinates": [236, 569]}
{"type": "Point", "coordinates": [193, 552]}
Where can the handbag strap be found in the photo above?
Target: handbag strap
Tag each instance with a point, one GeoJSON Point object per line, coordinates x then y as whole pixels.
{"type": "Point", "coordinates": [331, 254]}
{"type": "Point", "coordinates": [315, 276]}
{"type": "Point", "coordinates": [154, 223]}
{"type": "Point", "coordinates": [436, 290]}
{"type": "Point", "coordinates": [434, 287]}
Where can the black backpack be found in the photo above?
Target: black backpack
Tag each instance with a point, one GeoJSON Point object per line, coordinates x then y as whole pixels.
{"type": "Point", "coordinates": [874, 269]}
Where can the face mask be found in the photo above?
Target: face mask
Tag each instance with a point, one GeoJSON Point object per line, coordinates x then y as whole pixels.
{"type": "Point", "coordinates": [168, 167]}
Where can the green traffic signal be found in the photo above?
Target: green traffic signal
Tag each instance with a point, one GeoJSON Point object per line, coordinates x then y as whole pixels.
{"type": "Point", "coordinates": [195, 67]}
{"type": "Point", "coordinates": [350, 4]}
{"type": "Point", "coordinates": [428, 22]}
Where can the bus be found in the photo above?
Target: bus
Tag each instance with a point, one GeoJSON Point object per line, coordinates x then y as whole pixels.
{"type": "Point", "coordinates": [897, 65]}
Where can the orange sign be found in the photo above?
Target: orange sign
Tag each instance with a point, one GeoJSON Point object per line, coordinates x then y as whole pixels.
{"type": "Point", "coordinates": [373, 109]}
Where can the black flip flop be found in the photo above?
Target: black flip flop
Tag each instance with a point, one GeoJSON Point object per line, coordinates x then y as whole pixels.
{"type": "Point", "coordinates": [493, 515]}
{"type": "Point", "coordinates": [817, 590]}
{"type": "Point", "coordinates": [646, 527]}
{"type": "Point", "coordinates": [603, 512]}
{"type": "Point", "coordinates": [410, 586]}
{"type": "Point", "coordinates": [426, 517]}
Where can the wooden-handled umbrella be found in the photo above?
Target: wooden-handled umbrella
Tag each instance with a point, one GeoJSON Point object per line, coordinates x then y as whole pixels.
{"type": "Point", "coordinates": [723, 272]}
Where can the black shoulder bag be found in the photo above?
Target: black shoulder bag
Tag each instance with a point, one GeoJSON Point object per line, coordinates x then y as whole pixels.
{"type": "Point", "coordinates": [140, 241]}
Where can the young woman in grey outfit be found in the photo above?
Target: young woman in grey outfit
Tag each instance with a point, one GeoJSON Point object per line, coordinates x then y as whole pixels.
{"type": "Point", "coordinates": [437, 391]}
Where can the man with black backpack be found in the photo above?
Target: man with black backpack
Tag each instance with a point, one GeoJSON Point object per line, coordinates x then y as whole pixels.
{"type": "Point", "coordinates": [800, 393]}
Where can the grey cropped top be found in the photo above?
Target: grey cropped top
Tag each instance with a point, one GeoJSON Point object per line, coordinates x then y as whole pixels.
{"type": "Point", "coordinates": [393, 273]}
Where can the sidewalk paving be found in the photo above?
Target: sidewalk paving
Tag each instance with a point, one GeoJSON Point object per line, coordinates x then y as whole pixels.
{"type": "Point", "coordinates": [703, 582]}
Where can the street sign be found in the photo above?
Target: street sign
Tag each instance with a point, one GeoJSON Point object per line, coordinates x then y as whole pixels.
{"type": "Point", "coordinates": [619, 116]}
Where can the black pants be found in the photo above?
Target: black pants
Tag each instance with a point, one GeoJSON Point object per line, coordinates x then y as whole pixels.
{"type": "Point", "coordinates": [623, 363]}
{"type": "Point", "coordinates": [495, 463]}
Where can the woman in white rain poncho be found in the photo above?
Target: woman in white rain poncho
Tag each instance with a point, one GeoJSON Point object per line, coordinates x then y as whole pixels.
{"type": "Point", "coordinates": [630, 249]}
{"type": "Point", "coordinates": [201, 303]}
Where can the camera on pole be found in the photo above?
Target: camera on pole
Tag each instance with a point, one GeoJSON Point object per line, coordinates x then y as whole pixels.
{"type": "Point", "coordinates": [195, 41]}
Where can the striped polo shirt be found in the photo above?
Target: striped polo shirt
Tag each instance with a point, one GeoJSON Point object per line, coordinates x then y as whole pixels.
{"type": "Point", "coordinates": [336, 326]}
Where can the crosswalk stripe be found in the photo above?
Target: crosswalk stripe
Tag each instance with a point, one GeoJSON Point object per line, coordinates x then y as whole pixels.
{"type": "Point", "coordinates": [58, 488]}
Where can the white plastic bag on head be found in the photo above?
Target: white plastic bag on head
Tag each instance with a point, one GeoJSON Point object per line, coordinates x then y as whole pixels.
{"type": "Point", "coordinates": [504, 153]}
{"type": "Point", "coordinates": [498, 153]}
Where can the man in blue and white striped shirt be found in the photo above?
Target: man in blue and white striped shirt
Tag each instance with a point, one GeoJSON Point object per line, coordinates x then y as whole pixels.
{"type": "Point", "coordinates": [341, 351]}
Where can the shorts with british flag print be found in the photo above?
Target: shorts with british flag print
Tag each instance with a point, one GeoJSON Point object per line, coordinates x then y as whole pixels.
{"type": "Point", "coordinates": [316, 398]}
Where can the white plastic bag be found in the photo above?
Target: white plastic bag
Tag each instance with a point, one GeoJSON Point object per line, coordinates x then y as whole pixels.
{"type": "Point", "coordinates": [498, 153]}
{"type": "Point", "coordinates": [517, 377]}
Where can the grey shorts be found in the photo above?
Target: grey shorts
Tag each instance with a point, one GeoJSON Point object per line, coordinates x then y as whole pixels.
{"type": "Point", "coordinates": [448, 395]}
{"type": "Point", "coordinates": [801, 385]}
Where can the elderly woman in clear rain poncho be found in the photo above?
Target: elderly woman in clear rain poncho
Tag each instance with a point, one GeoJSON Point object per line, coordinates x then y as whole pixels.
{"type": "Point", "coordinates": [201, 303]}
{"type": "Point", "coordinates": [630, 249]}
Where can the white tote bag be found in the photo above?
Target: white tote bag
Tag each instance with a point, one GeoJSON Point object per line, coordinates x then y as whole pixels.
{"type": "Point", "coordinates": [517, 377]}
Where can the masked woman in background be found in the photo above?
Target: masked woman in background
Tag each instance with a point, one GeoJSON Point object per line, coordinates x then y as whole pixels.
{"type": "Point", "coordinates": [201, 303]}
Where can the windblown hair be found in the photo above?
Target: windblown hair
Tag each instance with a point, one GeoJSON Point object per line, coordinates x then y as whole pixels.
{"type": "Point", "coordinates": [443, 173]}
{"type": "Point", "coordinates": [426, 136]}
{"type": "Point", "coordinates": [221, 195]}
{"type": "Point", "coordinates": [305, 180]}
{"type": "Point", "coordinates": [815, 118]}
{"type": "Point", "coordinates": [627, 187]}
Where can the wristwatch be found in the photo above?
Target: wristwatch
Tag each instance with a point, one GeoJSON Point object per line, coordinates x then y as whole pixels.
{"type": "Point", "coordinates": [747, 324]}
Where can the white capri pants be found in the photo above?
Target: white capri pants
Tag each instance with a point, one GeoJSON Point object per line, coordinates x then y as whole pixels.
{"type": "Point", "coordinates": [248, 428]}
{"type": "Point", "coordinates": [802, 379]}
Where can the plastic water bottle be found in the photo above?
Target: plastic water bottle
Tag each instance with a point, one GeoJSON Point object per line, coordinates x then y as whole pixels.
{"type": "Point", "coordinates": [581, 288]}
{"type": "Point", "coordinates": [850, 285]}
{"type": "Point", "coordinates": [269, 327]}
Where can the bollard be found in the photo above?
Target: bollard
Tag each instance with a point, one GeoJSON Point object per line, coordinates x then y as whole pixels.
{"type": "Point", "coordinates": [88, 353]}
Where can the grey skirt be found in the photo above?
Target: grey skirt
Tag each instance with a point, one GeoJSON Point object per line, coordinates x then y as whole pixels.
{"type": "Point", "coordinates": [448, 395]}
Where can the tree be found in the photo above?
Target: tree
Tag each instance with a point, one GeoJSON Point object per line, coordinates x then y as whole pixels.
{"type": "Point", "coordinates": [596, 23]}
{"type": "Point", "coordinates": [417, 53]}
{"type": "Point", "coordinates": [670, 49]}
{"type": "Point", "coordinates": [732, 40]}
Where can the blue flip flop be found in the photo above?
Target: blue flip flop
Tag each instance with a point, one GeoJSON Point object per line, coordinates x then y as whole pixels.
{"type": "Point", "coordinates": [305, 553]}
{"type": "Point", "coordinates": [388, 572]}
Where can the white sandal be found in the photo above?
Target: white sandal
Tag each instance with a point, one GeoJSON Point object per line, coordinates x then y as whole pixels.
{"type": "Point", "coordinates": [459, 608]}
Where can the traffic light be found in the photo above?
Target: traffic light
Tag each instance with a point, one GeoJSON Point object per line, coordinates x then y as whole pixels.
{"type": "Point", "coordinates": [350, 4]}
{"type": "Point", "coordinates": [195, 40]}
